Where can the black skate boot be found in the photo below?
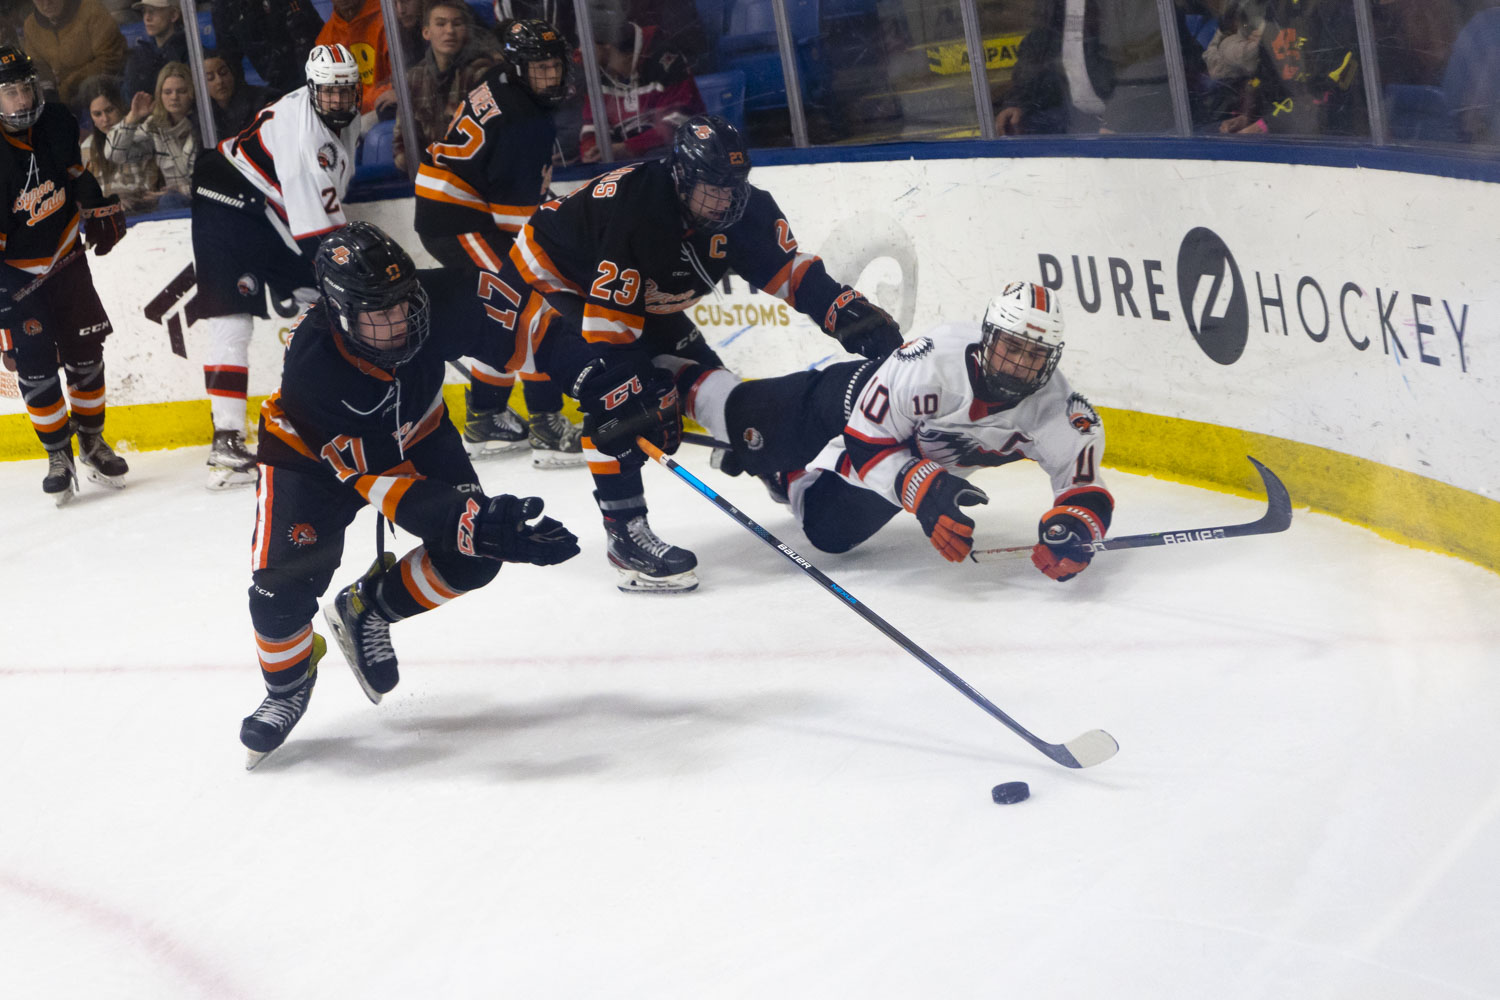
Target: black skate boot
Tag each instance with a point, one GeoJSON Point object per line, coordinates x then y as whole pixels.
{"type": "Point", "coordinates": [267, 727]}
{"type": "Point", "coordinates": [647, 565]}
{"type": "Point", "coordinates": [104, 466]}
{"type": "Point", "coordinates": [230, 463]}
{"type": "Point", "coordinates": [556, 442]}
{"type": "Point", "coordinates": [491, 432]}
{"type": "Point", "coordinates": [61, 481]}
{"type": "Point", "coordinates": [776, 485]}
{"type": "Point", "coordinates": [364, 634]}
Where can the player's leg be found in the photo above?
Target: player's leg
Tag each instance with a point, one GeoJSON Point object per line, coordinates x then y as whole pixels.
{"type": "Point", "coordinates": [300, 518]}
{"type": "Point", "coordinates": [34, 351]}
{"type": "Point", "coordinates": [837, 515]}
{"type": "Point", "coordinates": [74, 308]}
{"type": "Point", "coordinates": [491, 427]}
{"type": "Point", "coordinates": [428, 576]}
{"type": "Point", "coordinates": [556, 442]}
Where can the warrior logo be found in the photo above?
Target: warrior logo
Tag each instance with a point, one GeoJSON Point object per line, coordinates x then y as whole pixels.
{"type": "Point", "coordinates": [248, 284]}
{"type": "Point", "coordinates": [302, 535]}
{"type": "Point", "coordinates": [1081, 414]}
{"type": "Point", "coordinates": [328, 156]}
{"type": "Point", "coordinates": [1213, 296]}
{"type": "Point", "coordinates": [912, 350]}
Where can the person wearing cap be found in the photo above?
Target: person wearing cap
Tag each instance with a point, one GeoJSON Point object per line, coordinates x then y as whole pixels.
{"type": "Point", "coordinates": [164, 43]}
{"type": "Point", "coordinates": [648, 86]}
{"type": "Point", "coordinates": [75, 39]}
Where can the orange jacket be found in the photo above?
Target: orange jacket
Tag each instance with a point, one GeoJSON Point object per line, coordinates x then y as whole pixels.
{"type": "Point", "coordinates": [365, 37]}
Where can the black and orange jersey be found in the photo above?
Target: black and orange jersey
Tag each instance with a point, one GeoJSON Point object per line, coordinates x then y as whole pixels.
{"type": "Point", "coordinates": [43, 179]}
{"type": "Point", "coordinates": [619, 242]}
{"type": "Point", "coordinates": [357, 421]}
{"type": "Point", "coordinates": [492, 168]}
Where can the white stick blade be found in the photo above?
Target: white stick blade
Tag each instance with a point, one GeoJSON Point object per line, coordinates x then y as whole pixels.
{"type": "Point", "coordinates": [1093, 747]}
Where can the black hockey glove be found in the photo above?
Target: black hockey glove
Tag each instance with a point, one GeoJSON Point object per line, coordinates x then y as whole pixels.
{"type": "Point", "coordinates": [861, 326]}
{"type": "Point", "coordinates": [103, 223]}
{"type": "Point", "coordinates": [621, 402]}
{"type": "Point", "coordinates": [498, 529]}
{"type": "Point", "coordinates": [935, 496]}
{"type": "Point", "coordinates": [1065, 532]}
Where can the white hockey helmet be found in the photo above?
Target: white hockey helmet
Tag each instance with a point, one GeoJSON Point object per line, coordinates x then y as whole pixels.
{"type": "Point", "coordinates": [333, 81]}
{"type": "Point", "coordinates": [1021, 342]}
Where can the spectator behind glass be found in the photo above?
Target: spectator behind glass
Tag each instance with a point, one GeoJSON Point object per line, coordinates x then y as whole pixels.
{"type": "Point", "coordinates": [457, 58]}
{"type": "Point", "coordinates": [1413, 39]}
{"type": "Point", "coordinates": [137, 184]}
{"type": "Point", "coordinates": [357, 24]}
{"type": "Point", "coordinates": [162, 130]}
{"type": "Point", "coordinates": [235, 102]}
{"type": "Point", "coordinates": [76, 39]}
{"type": "Point", "coordinates": [274, 35]}
{"type": "Point", "coordinates": [1093, 66]}
{"type": "Point", "coordinates": [648, 87]}
{"type": "Point", "coordinates": [409, 17]}
{"type": "Point", "coordinates": [1308, 80]}
{"type": "Point", "coordinates": [164, 43]}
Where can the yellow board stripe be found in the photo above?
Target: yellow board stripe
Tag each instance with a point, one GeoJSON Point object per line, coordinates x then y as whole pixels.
{"type": "Point", "coordinates": [1402, 506]}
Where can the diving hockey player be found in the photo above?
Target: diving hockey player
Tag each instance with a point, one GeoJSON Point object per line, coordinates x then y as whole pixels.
{"type": "Point", "coordinates": [49, 311]}
{"type": "Point", "coordinates": [261, 202]}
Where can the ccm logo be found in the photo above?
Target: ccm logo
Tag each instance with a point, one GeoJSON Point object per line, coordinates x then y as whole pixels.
{"type": "Point", "coordinates": [617, 396]}
{"type": "Point", "coordinates": [465, 539]}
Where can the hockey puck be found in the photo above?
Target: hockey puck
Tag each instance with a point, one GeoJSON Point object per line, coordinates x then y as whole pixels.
{"type": "Point", "coordinates": [1010, 793]}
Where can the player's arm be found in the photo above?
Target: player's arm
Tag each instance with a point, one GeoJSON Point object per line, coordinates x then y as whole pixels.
{"type": "Point", "coordinates": [614, 302]}
{"type": "Point", "coordinates": [103, 218]}
{"type": "Point", "coordinates": [1070, 447]}
{"type": "Point", "coordinates": [312, 193]}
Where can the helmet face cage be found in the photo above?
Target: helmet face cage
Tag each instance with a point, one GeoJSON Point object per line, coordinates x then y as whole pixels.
{"type": "Point", "coordinates": [1021, 342]}
{"type": "Point", "coordinates": [17, 77]}
{"type": "Point", "coordinates": [708, 151]}
{"type": "Point", "coordinates": [365, 275]}
{"type": "Point", "coordinates": [331, 68]}
{"type": "Point", "coordinates": [526, 42]}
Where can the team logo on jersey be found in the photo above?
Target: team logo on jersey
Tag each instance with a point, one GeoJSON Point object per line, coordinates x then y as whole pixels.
{"type": "Point", "coordinates": [328, 156]}
{"type": "Point", "coordinates": [912, 350]}
{"type": "Point", "coordinates": [31, 327]}
{"type": "Point", "coordinates": [753, 439]}
{"type": "Point", "coordinates": [302, 535]}
{"type": "Point", "coordinates": [40, 201]}
{"type": "Point", "coordinates": [658, 301]}
{"type": "Point", "coordinates": [1081, 414]}
{"type": "Point", "coordinates": [248, 284]}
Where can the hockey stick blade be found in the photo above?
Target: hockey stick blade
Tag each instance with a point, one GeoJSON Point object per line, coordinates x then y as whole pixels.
{"type": "Point", "coordinates": [1093, 747]}
{"type": "Point", "coordinates": [1278, 517]}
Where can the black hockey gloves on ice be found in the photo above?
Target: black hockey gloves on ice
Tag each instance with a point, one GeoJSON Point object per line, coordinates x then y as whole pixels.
{"type": "Point", "coordinates": [103, 223]}
{"type": "Point", "coordinates": [1065, 532]}
{"type": "Point", "coordinates": [497, 528]}
{"type": "Point", "coordinates": [624, 398]}
{"type": "Point", "coordinates": [935, 496]}
{"type": "Point", "coordinates": [861, 326]}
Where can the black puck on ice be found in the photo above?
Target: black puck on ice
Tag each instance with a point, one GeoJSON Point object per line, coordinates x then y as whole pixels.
{"type": "Point", "coordinates": [1010, 793]}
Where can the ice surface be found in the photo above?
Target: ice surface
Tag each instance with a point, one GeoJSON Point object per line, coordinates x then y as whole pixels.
{"type": "Point", "coordinates": [748, 791]}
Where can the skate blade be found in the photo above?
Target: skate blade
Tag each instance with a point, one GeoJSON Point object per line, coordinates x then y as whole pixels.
{"type": "Point", "coordinates": [346, 649]}
{"type": "Point", "coordinates": [229, 479]}
{"type": "Point", "coordinates": [254, 757]}
{"type": "Point", "coordinates": [489, 449]}
{"type": "Point", "coordinates": [66, 496]}
{"type": "Point", "coordinates": [634, 582]}
{"type": "Point", "coordinates": [113, 482]}
{"type": "Point", "coordinates": [545, 458]}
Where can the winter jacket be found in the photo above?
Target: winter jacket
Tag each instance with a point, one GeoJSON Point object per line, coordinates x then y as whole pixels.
{"type": "Point", "coordinates": [84, 41]}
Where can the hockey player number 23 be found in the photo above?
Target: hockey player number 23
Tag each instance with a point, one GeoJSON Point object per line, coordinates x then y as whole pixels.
{"type": "Point", "coordinates": [630, 283]}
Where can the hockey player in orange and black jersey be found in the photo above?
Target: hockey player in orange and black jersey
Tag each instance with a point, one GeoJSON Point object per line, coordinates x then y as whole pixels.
{"type": "Point", "coordinates": [359, 419]}
{"type": "Point", "coordinates": [49, 311]}
{"type": "Point", "coordinates": [475, 189]}
{"type": "Point", "coordinates": [625, 255]}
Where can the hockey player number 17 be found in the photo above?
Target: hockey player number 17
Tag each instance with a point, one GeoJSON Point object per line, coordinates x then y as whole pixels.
{"type": "Point", "coordinates": [489, 285]}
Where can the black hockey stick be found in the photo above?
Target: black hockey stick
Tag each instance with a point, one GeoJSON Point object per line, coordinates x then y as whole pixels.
{"type": "Point", "coordinates": [1278, 517]}
{"type": "Point", "coordinates": [1093, 747]}
{"type": "Point", "coordinates": [706, 440]}
{"type": "Point", "coordinates": [41, 279]}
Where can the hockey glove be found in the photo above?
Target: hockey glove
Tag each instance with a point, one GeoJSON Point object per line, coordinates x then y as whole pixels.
{"type": "Point", "coordinates": [861, 326]}
{"type": "Point", "coordinates": [620, 402]}
{"type": "Point", "coordinates": [103, 224]}
{"type": "Point", "coordinates": [1065, 533]}
{"type": "Point", "coordinates": [498, 529]}
{"type": "Point", "coordinates": [935, 496]}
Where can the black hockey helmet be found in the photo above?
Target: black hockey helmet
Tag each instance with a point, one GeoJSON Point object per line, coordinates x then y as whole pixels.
{"type": "Point", "coordinates": [708, 150]}
{"type": "Point", "coordinates": [365, 275]}
{"type": "Point", "coordinates": [526, 41]}
{"type": "Point", "coordinates": [17, 80]}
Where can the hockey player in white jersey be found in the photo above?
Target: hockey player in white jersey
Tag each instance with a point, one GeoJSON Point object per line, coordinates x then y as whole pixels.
{"type": "Point", "coordinates": [261, 202]}
{"type": "Point", "coordinates": [851, 446]}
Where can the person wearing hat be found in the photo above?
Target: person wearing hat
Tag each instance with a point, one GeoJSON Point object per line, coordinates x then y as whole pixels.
{"type": "Point", "coordinates": [648, 86]}
{"type": "Point", "coordinates": [164, 43]}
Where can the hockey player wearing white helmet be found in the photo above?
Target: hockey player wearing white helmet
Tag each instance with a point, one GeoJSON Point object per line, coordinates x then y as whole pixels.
{"type": "Point", "coordinates": [261, 202]}
{"type": "Point", "coordinates": [849, 447]}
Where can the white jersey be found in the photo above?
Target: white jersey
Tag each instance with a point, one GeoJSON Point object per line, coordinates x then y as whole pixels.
{"type": "Point", "coordinates": [920, 402]}
{"type": "Point", "coordinates": [301, 165]}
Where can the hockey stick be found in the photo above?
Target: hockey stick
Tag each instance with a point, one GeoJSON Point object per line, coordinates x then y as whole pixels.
{"type": "Point", "coordinates": [706, 440]}
{"type": "Point", "coordinates": [41, 279]}
{"type": "Point", "coordinates": [1093, 747]}
{"type": "Point", "coordinates": [1278, 517]}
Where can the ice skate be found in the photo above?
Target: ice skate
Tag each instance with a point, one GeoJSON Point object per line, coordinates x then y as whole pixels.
{"type": "Point", "coordinates": [103, 465]}
{"type": "Point", "coordinates": [230, 463]}
{"type": "Point", "coordinates": [267, 727]}
{"type": "Point", "coordinates": [61, 481]}
{"type": "Point", "coordinates": [556, 442]}
{"type": "Point", "coordinates": [492, 432]}
{"type": "Point", "coordinates": [646, 564]}
{"type": "Point", "coordinates": [776, 484]}
{"type": "Point", "coordinates": [364, 634]}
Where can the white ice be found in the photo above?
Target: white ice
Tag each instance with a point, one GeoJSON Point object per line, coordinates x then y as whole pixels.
{"type": "Point", "coordinates": [749, 791]}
